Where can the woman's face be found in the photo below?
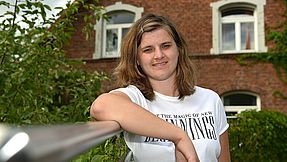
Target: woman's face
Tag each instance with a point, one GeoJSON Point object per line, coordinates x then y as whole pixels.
{"type": "Point", "coordinates": [158, 56]}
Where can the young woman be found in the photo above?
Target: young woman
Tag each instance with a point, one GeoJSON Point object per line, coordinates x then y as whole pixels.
{"type": "Point", "coordinates": [166, 117]}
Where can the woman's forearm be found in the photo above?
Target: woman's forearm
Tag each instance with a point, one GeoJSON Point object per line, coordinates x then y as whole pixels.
{"type": "Point", "coordinates": [225, 154]}
{"type": "Point", "coordinates": [133, 118]}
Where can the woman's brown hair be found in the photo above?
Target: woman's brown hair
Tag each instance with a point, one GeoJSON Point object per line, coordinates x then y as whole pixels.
{"type": "Point", "coordinates": [128, 72]}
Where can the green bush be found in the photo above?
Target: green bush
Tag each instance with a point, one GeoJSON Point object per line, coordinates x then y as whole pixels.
{"type": "Point", "coordinates": [113, 150]}
{"type": "Point", "coordinates": [38, 84]}
{"type": "Point", "coordinates": [258, 136]}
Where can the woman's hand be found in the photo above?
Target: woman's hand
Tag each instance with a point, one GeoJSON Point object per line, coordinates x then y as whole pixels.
{"type": "Point", "coordinates": [185, 151]}
{"type": "Point", "coordinates": [179, 156]}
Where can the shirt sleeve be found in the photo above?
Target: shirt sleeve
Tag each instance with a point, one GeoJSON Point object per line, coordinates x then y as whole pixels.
{"type": "Point", "coordinates": [221, 117]}
{"type": "Point", "coordinates": [134, 94]}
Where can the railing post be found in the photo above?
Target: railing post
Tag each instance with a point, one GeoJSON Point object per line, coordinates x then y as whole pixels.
{"type": "Point", "coordinates": [56, 143]}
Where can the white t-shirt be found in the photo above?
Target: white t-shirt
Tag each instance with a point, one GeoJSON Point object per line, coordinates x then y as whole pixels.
{"type": "Point", "coordinates": [201, 115]}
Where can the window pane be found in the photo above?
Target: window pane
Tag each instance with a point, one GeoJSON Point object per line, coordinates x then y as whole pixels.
{"type": "Point", "coordinates": [228, 36]}
{"type": "Point", "coordinates": [112, 42]}
{"type": "Point", "coordinates": [239, 13]}
{"type": "Point", "coordinates": [247, 35]}
{"type": "Point", "coordinates": [237, 10]}
{"type": "Point", "coordinates": [121, 17]}
{"type": "Point", "coordinates": [124, 31]}
{"type": "Point", "coordinates": [240, 100]}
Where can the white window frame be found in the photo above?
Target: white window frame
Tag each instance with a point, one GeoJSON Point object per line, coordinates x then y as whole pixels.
{"type": "Point", "coordinates": [119, 28]}
{"type": "Point", "coordinates": [259, 31]}
{"type": "Point", "coordinates": [239, 109]}
{"type": "Point", "coordinates": [237, 21]}
{"type": "Point", "coordinates": [101, 26]}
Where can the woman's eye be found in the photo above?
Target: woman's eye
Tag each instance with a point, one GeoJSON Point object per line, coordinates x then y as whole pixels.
{"type": "Point", "coordinates": [165, 46]}
{"type": "Point", "coordinates": [147, 50]}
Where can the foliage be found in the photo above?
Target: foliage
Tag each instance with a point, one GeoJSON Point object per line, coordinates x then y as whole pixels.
{"type": "Point", "coordinates": [38, 84]}
{"type": "Point", "coordinates": [113, 149]}
{"type": "Point", "coordinates": [258, 136]}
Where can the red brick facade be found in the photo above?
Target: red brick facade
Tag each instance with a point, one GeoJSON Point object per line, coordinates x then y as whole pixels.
{"type": "Point", "coordinates": [222, 73]}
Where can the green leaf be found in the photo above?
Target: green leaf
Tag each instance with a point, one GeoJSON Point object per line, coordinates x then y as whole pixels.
{"type": "Point", "coordinates": [98, 158]}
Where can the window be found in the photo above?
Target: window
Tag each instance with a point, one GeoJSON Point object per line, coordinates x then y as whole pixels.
{"type": "Point", "coordinates": [236, 102]}
{"type": "Point", "coordinates": [238, 26]}
{"type": "Point", "coordinates": [109, 33]}
{"type": "Point", "coordinates": [116, 27]}
{"type": "Point", "coordinates": [237, 30]}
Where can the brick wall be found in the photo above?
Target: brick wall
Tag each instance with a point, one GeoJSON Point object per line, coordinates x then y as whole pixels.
{"type": "Point", "coordinates": [218, 72]}
{"type": "Point", "coordinates": [224, 74]}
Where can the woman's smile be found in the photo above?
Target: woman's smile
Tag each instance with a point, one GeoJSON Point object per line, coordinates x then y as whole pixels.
{"type": "Point", "coordinates": [159, 64]}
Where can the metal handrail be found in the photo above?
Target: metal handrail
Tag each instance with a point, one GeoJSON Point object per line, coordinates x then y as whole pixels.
{"type": "Point", "coordinates": [56, 143]}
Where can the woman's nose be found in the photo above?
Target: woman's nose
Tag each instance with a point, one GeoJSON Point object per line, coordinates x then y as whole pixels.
{"type": "Point", "coordinates": [158, 53]}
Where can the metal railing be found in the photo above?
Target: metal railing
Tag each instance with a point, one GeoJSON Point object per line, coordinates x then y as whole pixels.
{"type": "Point", "coordinates": [56, 143]}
